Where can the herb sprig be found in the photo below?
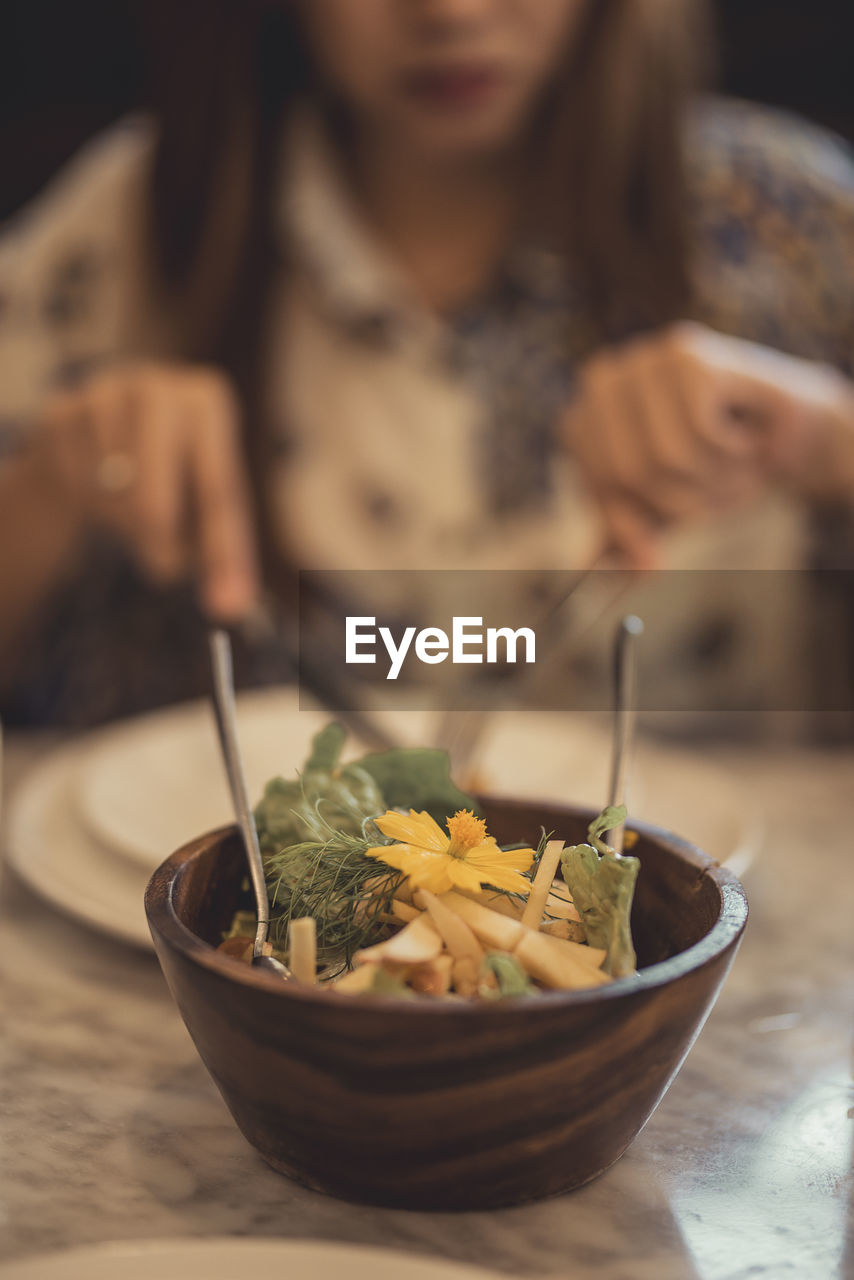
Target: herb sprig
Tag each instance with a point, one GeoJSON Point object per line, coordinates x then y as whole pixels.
{"type": "Point", "coordinates": [348, 894]}
{"type": "Point", "coordinates": [330, 879]}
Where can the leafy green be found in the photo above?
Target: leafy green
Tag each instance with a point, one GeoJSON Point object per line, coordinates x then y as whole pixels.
{"type": "Point", "coordinates": [417, 778]}
{"type": "Point", "coordinates": [602, 885]}
{"type": "Point", "coordinates": [609, 819]}
{"type": "Point", "coordinates": [387, 984]}
{"type": "Point", "coordinates": [314, 830]}
{"type": "Point", "coordinates": [324, 795]}
{"type": "Point", "coordinates": [331, 879]}
{"type": "Point", "coordinates": [326, 747]}
{"type": "Point", "coordinates": [511, 977]}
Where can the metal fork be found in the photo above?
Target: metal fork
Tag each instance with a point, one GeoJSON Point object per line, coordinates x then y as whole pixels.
{"type": "Point", "coordinates": [461, 732]}
{"type": "Point", "coordinates": [268, 621]}
{"type": "Point", "coordinates": [226, 723]}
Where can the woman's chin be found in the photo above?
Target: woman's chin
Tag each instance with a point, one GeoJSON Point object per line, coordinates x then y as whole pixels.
{"type": "Point", "coordinates": [459, 133]}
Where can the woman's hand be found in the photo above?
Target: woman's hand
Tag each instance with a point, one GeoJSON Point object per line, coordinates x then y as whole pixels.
{"type": "Point", "coordinates": [684, 425]}
{"type": "Point", "coordinates": [152, 451]}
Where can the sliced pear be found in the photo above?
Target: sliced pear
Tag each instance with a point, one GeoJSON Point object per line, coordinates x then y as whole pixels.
{"type": "Point", "coordinates": [547, 870]}
{"type": "Point", "coordinates": [302, 949]}
{"type": "Point", "coordinates": [416, 943]}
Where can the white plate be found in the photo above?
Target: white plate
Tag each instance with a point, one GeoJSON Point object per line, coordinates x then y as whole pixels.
{"type": "Point", "coordinates": [148, 785]}
{"type": "Point", "coordinates": [235, 1258]}
{"type": "Point", "coordinates": [165, 769]}
{"type": "Point", "coordinates": [49, 849]}
{"type": "Point", "coordinates": [558, 756]}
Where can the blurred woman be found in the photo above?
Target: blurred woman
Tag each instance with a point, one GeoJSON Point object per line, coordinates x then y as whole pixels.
{"type": "Point", "coordinates": [466, 283]}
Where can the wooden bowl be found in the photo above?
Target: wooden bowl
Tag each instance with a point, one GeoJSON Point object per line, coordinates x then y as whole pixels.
{"type": "Point", "coordinates": [426, 1104]}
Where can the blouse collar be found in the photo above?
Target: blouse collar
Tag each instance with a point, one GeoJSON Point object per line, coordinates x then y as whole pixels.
{"type": "Point", "coordinates": [359, 284]}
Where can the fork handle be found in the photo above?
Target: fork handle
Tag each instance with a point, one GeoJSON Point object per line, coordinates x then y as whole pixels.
{"type": "Point", "coordinates": [226, 723]}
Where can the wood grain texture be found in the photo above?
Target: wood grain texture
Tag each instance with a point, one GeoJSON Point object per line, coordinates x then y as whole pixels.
{"type": "Point", "coordinates": [431, 1105]}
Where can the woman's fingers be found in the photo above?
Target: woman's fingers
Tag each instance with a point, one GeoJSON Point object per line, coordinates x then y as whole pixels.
{"type": "Point", "coordinates": [66, 451]}
{"type": "Point", "coordinates": [668, 430]}
{"type": "Point", "coordinates": [631, 530]}
{"type": "Point", "coordinates": [160, 431]}
{"type": "Point", "coordinates": [153, 452]}
{"type": "Point", "coordinates": [631, 437]}
{"type": "Point", "coordinates": [676, 478]}
{"type": "Point", "coordinates": [223, 521]}
{"type": "Point", "coordinates": [606, 443]}
{"type": "Point", "coordinates": [725, 408]}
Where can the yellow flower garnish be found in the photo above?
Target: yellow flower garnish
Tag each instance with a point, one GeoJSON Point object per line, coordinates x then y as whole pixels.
{"type": "Point", "coordinates": [466, 858]}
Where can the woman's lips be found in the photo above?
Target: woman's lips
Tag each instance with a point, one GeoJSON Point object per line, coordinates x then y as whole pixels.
{"type": "Point", "coordinates": [454, 88]}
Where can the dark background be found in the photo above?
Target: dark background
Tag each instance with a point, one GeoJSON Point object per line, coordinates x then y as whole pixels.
{"type": "Point", "coordinates": [69, 67]}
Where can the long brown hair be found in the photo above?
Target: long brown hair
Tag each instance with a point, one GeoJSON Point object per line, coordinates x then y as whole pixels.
{"type": "Point", "coordinates": [613, 168]}
{"type": "Point", "coordinates": [617, 161]}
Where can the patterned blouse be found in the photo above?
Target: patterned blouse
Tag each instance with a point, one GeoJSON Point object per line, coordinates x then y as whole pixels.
{"type": "Point", "coordinates": [772, 203]}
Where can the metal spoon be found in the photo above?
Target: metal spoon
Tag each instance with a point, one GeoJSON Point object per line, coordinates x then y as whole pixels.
{"type": "Point", "coordinates": [625, 714]}
{"type": "Point", "coordinates": [226, 723]}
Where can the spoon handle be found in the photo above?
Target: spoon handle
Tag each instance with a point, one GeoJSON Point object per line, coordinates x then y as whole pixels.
{"type": "Point", "coordinates": [226, 723]}
{"type": "Point", "coordinates": [625, 713]}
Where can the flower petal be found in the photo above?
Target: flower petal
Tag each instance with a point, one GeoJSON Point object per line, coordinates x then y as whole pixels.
{"type": "Point", "coordinates": [425, 869]}
{"type": "Point", "coordinates": [433, 873]}
{"type": "Point", "coordinates": [417, 829]}
{"type": "Point", "coordinates": [489, 854]}
{"type": "Point", "coordinates": [465, 876]}
{"type": "Point", "coordinates": [501, 878]}
{"type": "Point", "coordinates": [389, 853]}
{"type": "Point", "coordinates": [469, 876]}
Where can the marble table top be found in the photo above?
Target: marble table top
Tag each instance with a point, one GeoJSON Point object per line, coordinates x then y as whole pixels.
{"type": "Point", "coordinates": [110, 1128]}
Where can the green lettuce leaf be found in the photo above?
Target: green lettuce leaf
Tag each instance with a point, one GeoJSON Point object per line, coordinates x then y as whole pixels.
{"type": "Point", "coordinates": [511, 977]}
{"type": "Point", "coordinates": [609, 819]}
{"type": "Point", "coordinates": [326, 748]}
{"type": "Point", "coordinates": [386, 984]}
{"type": "Point", "coordinates": [323, 796]}
{"type": "Point", "coordinates": [417, 778]}
{"type": "Point", "coordinates": [602, 887]}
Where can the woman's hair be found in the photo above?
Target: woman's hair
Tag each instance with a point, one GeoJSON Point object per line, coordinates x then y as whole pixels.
{"type": "Point", "coordinates": [611, 163]}
{"type": "Point", "coordinates": [616, 157]}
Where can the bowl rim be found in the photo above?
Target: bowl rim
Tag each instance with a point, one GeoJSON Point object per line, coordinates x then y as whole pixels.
{"type": "Point", "coordinates": [724, 934]}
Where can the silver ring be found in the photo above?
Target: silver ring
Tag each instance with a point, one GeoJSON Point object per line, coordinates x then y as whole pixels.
{"type": "Point", "coordinates": [116, 472]}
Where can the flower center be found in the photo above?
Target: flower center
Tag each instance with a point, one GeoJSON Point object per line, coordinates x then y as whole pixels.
{"type": "Point", "coordinates": [466, 831]}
